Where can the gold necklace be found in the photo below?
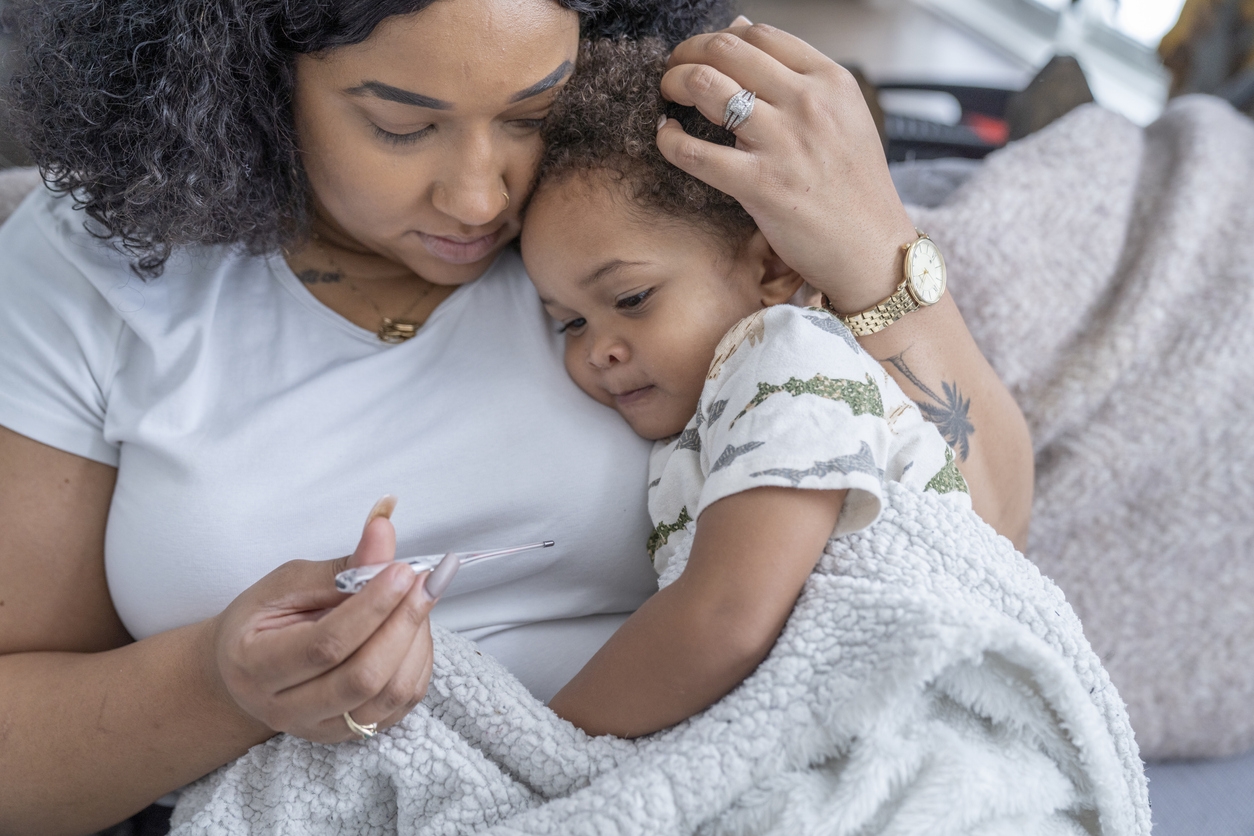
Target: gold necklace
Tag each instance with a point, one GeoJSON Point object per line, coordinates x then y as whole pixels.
{"type": "Point", "coordinates": [391, 330]}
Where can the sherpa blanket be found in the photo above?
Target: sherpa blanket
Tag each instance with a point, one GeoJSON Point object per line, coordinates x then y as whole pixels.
{"type": "Point", "coordinates": [1107, 271]}
{"type": "Point", "coordinates": [930, 681]}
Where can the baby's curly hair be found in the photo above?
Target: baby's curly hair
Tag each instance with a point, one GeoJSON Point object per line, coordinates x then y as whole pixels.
{"type": "Point", "coordinates": [170, 120]}
{"type": "Point", "coordinates": [605, 121]}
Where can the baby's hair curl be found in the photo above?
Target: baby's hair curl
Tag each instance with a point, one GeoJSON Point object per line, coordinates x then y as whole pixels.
{"type": "Point", "coordinates": [170, 121]}
{"type": "Point", "coordinates": [605, 121]}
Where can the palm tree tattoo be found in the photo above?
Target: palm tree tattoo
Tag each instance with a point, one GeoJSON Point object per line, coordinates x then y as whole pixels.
{"type": "Point", "coordinates": [950, 413]}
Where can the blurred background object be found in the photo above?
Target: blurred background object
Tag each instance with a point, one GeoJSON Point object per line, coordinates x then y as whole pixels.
{"type": "Point", "coordinates": [1058, 88]}
{"type": "Point", "coordinates": [993, 43]}
{"type": "Point", "coordinates": [11, 153]}
{"type": "Point", "coordinates": [1211, 50]}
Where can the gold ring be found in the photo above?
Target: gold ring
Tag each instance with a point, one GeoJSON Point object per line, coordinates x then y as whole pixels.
{"type": "Point", "coordinates": [364, 732]}
{"type": "Point", "coordinates": [505, 194]}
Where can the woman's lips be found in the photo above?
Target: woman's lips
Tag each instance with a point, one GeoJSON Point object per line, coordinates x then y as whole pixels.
{"type": "Point", "coordinates": [460, 250]}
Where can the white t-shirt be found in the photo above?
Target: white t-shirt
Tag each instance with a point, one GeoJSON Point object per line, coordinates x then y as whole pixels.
{"type": "Point", "coordinates": [791, 400]}
{"type": "Point", "coordinates": [251, 425]}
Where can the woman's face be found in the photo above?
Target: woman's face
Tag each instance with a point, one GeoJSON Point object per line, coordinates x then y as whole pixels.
{"type": "Point", "coordinates": [412, 138]}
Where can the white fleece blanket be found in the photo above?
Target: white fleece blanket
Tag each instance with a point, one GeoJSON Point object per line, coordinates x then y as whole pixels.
{"type": "Point", "coordinates": [930, 681]}
{"type": "Point", "coordinates": [1107, 272]}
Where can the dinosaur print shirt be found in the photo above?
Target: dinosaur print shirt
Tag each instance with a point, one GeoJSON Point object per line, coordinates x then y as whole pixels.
{"type": "Point", "coordinates": [792, 400]}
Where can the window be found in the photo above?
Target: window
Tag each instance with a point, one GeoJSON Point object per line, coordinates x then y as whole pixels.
{"type": "Point", "coordinates": [1114, 41]}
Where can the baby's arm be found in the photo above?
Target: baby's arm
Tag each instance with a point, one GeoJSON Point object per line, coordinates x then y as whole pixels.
{"type": "Point", "coordinates": [698, 638]}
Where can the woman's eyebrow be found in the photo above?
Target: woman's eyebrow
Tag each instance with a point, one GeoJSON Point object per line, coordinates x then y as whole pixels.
{"type": "Point", "coordinates": [547, 83]}
{"type": "Point", "coordinates": [408, 97]}
{"type": "Point", "coordinates": [395, 94]}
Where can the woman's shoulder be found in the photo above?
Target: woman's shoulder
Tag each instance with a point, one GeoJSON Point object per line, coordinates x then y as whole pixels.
{"type": "Point", "coordinates": [47, 226]}
{"type": "Point", "coordinates": [58, 332]}
{"type": "Point", "coordinates": [50, 246]}
{"type": "Point", "coordinates": [51, 266]}
{"type": "Point", "coordinates": [52, 255]}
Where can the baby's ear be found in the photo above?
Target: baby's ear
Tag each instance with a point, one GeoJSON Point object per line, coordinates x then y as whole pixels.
{"type": "Point", "coordinates": [779, 282]}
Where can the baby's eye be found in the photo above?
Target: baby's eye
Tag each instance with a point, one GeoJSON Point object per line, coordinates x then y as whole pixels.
{"type": "Point", "coordinates": [633, 301]}
{"type": "Point", "coordinates": [573, 325]}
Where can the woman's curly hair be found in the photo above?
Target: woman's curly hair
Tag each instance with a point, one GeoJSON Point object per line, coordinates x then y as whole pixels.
{"type": "Point", "coordinates": [170, 121]}
{"type": "Point", "coordinates": [605, 120]}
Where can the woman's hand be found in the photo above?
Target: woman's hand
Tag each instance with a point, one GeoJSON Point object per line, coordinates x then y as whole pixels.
{"type": "Point", "coordinates": [295, 654]}
{"type": "Point", "coordinates": [809, 167]}
{"type": "Point", "coordinates": [808, 164]}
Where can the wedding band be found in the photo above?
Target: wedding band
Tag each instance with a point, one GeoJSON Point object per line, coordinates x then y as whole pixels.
{"type": "Point", "coordinates": [364, 732]}
{"type": "Point", "coordinates": [739, 109]}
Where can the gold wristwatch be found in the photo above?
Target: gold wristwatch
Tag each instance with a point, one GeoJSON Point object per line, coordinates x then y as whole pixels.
{"type": "Point", "coordinates": [922, 285]}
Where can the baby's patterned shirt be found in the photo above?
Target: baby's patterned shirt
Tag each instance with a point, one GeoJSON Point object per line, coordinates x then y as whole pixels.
{"type": "Point", "coordinates": [792, 400]}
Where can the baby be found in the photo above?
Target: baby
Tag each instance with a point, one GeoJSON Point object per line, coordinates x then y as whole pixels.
{"type": "Point", "coordinates": [774, 430]}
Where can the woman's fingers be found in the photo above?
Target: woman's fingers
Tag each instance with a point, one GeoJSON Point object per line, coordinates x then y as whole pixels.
{"type": "Point", "coordinates": [299, 652]}
{"type": "Point", "coordinates": [720, 50]}
{"type": "Point", "coordinates": [377, 543]}
{"type": "Point", "coordinates": [383, 508]}
{"type": "Point", "coordinates": [736, 58]}
{"type": "Point", "coordinates": [760, 58]}
{"type": "Point", "coordinates": [727, 169]}
{"type": "Point", "coordinates": [404, 690]}
{"type": "Point", "coordinates": [710, 90]}
{"type": "Point", "coordinates": [294, 653]}
{"type": "Point", "coordinates": [364, 675]}
{"type": "Point", "coordinates": [787, 49]}
{"type": "Point", "coordinates": [310, 585]}
{"type": "Point", "coordinates": [329, 621]}
{"type": "Point", "coordinates": [336, 730]}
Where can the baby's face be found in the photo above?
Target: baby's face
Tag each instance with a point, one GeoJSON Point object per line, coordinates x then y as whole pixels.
{"type": "Point", "coordinates": [642, 305]}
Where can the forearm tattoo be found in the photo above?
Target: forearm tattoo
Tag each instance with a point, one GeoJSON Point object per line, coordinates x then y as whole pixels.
{"type": "Point", "coordinates": [312, 276]}
{"type": "Point", "coordinates": [950, 414]}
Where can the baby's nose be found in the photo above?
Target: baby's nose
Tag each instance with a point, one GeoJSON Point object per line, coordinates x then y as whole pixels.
{"type": "Point", "coordinates": [608, 352]}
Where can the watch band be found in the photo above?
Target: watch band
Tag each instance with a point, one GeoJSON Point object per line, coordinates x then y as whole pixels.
{"type": "Point", "coordinates": [874, 320]}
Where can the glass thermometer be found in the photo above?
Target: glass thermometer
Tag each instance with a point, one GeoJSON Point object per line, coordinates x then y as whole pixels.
{"type": "Point", "coordinates": [354, 580]}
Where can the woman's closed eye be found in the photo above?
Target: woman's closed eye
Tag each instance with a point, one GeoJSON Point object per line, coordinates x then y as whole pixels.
{"type": "Point", "coordinates": [402, 139]}
{"type": "Point", "coordinates": [528, 125]}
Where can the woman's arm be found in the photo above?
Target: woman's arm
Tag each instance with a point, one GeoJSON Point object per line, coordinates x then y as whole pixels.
{"type": "Point", "coordinates": [94, 727]}
{"type": "Point", "coordinates": [701, 636]}
{"type": "Point", "coordinates": [934, 359]}
{"type": "Point", "coordinates": [809, 167]}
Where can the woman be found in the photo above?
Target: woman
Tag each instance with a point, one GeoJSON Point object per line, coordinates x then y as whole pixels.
{"type": "Point", "coordinates": [303, 189]}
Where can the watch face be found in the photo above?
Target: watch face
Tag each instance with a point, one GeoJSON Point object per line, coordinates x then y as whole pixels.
{"type": "Point", "coordinates": [925, 270]}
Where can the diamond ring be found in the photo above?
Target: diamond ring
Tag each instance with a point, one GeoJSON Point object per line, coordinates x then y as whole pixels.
{"type": "Point", "coordinates": [739, 109]}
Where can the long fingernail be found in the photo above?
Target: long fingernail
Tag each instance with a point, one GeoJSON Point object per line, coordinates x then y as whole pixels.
{"type": "Point", "coordinates": [661, 121]}
{"type": "Point", "coordinates": [741, 19]}
{"type": "Point", "coordinates": [441, 576]}
{"type": "Point", "coordinates": [383, 508]}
